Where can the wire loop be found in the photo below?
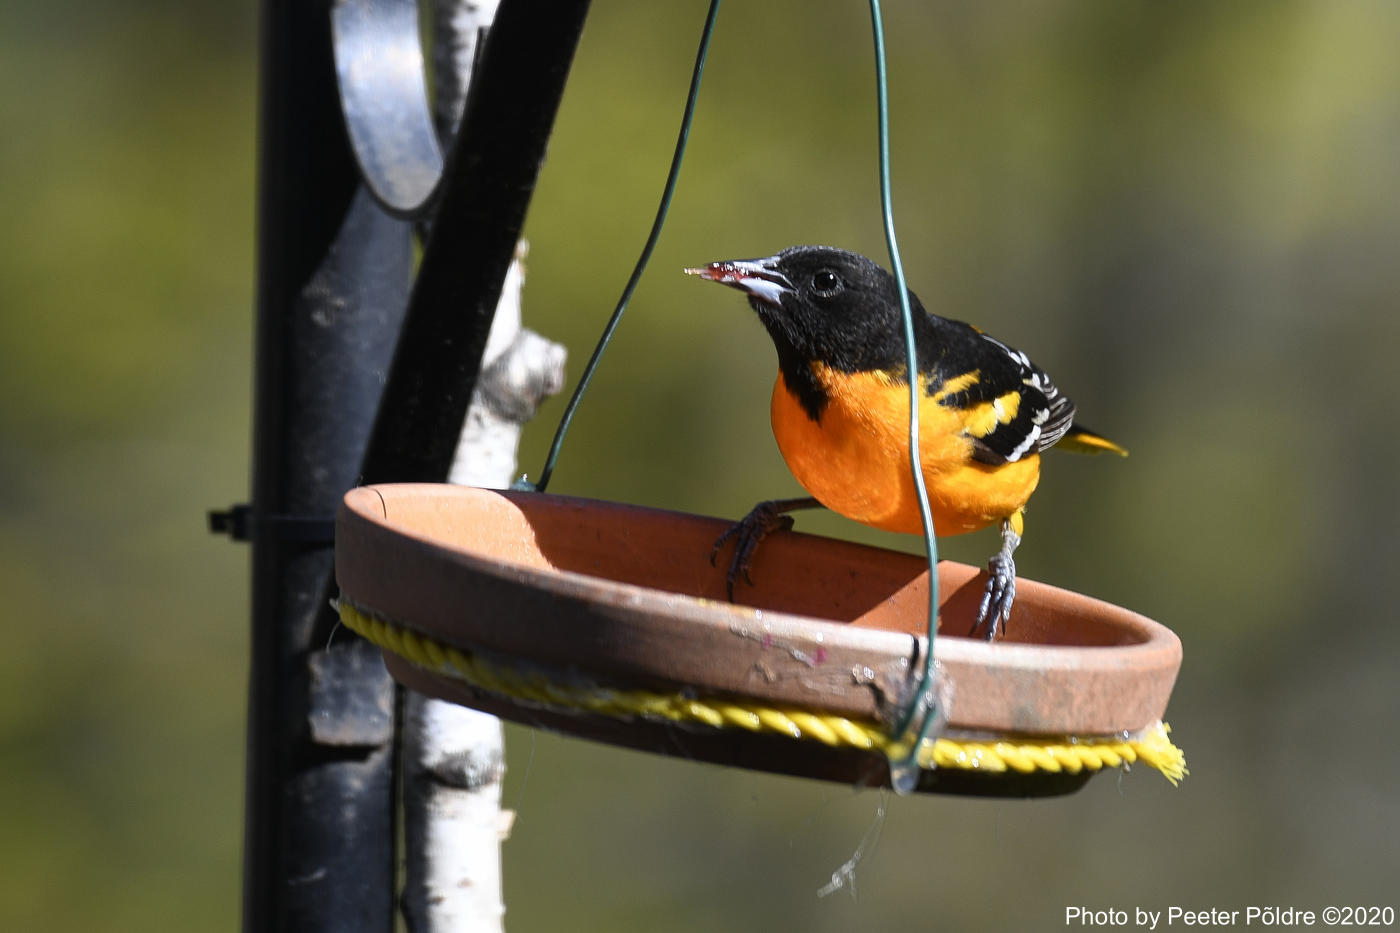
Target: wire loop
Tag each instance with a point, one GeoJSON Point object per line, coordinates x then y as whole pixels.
{"type": "Point", "coordinates": [926, 709]}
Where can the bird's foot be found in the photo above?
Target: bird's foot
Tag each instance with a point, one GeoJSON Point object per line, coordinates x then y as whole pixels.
{"type": "Point", "coordinates": [1001, 585]}
{"type": "Point", "coordinates": [748, 533]}
{"type": "Point", "coordinates": [999, 595]}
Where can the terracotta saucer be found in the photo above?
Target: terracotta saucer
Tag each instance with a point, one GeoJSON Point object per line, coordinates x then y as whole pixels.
{"type": "Point", "coordinates": [626, 596]}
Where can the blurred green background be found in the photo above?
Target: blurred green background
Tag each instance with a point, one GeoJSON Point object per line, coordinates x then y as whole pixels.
{"type": "Point", "coordinates": [1188, 213]}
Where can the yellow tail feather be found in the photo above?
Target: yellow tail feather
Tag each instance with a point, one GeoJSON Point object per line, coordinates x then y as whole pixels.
{"type": "Point", "coordinates": [1082, 441]}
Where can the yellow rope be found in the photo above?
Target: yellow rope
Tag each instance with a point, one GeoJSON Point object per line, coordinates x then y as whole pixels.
{"type": "Point", "coordinates": [1022, 754]}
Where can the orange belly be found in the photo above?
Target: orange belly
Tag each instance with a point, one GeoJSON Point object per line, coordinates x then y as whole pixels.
{"type": "Point", "coordinates": [856, 460]}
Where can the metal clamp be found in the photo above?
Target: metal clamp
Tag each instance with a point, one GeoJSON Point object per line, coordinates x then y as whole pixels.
{"type": "Point", "coordinates": [384, 96]}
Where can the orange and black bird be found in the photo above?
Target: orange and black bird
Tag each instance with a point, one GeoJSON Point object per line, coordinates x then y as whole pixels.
{"type": "Point", "coordinates": [840, 410]}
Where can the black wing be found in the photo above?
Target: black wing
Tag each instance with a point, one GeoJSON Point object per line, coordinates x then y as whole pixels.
{"type": "Point", "coordinates": [1010, 407]}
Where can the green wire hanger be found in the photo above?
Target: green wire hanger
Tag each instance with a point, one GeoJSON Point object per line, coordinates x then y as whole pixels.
{"type": "Point", "coordinates": [925, 712]}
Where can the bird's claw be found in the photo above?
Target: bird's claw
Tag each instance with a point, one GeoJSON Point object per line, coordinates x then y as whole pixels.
{"type": "Point", "coordinates": [995, 609]}
{"type": "Point", "coordinates": [762, 520]}
{"type": "Point", "coordinates": [1001, 580]}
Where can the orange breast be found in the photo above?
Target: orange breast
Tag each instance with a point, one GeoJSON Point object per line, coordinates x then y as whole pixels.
{"type": "Point", "coordinates": [856, 460]}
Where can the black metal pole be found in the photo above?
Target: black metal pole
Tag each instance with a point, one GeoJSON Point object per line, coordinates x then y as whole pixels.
{"type": "Point", "coordinates": [333, 281]}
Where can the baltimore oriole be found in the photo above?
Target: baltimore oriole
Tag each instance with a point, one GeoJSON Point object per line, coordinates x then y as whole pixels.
{"type": "Point", "coordinates": [840, 410]}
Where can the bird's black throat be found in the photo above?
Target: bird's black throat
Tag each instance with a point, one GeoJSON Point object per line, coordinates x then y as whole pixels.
{"type": "Point", "coordinates": [797, 375]}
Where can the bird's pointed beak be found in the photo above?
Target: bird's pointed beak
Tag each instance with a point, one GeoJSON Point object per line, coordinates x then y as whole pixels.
{"type": "Point", "coordinates": [760, 278]}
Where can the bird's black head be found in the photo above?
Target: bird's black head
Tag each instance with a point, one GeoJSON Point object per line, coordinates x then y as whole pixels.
{"type": "Point", "coordinates": [823, 305]}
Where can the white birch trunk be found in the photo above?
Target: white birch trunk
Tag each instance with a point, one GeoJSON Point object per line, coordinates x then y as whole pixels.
{"type": "Point", "coordinates": [454, 757]}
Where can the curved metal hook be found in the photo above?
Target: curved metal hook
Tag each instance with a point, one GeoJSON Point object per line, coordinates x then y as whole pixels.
{"type": "Point", "coordinates": [384, 96]}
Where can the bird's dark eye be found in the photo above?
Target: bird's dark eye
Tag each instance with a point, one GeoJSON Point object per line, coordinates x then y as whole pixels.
{"type": "Point", "coordinates": [826, 283]}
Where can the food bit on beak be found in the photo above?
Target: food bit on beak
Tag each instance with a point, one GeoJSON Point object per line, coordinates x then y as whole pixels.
{"type": "Point", "coordinates": [752, 276]}
{"type": "Point", "coordinates": [715, 272]}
